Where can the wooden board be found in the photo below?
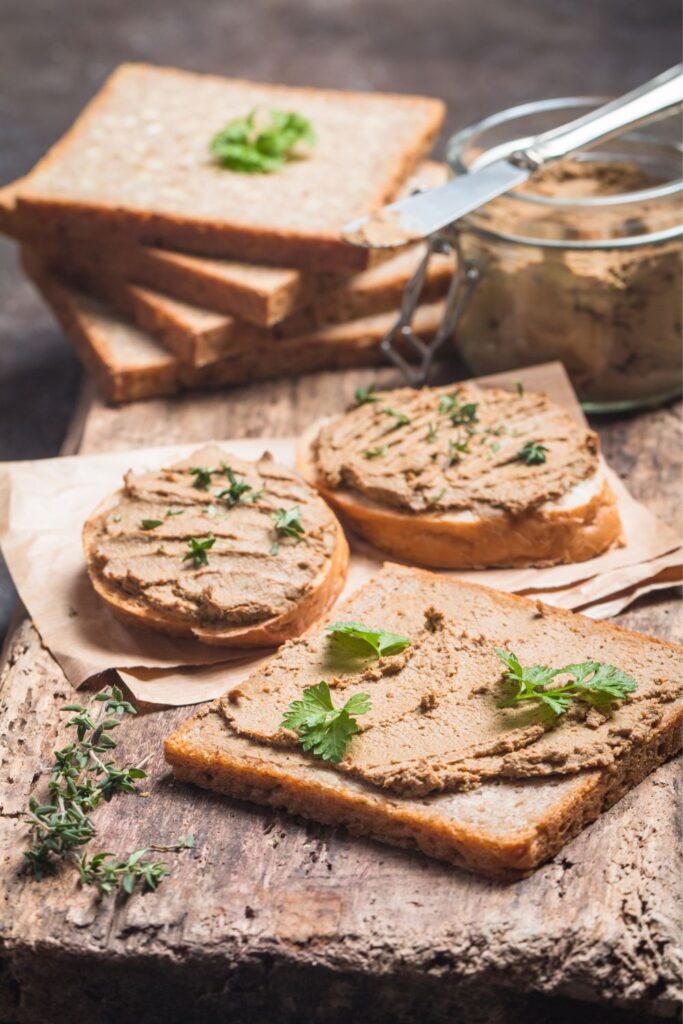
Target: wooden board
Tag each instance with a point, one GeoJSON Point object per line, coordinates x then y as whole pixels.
{"type": "Point", "coordinates": [275, 919]}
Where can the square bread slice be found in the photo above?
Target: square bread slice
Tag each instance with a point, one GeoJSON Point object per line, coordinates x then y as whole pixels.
{"type": "Point", "coordinates": [202, 337]}
{"type": "Point", "coordinates": [505, 828]}
{"type": "Point", "coordinates": [137, 165]}
{"type": "Point", "coordinates": [256, 293]}
{"type": "Point", "coordinates": [129, 364]}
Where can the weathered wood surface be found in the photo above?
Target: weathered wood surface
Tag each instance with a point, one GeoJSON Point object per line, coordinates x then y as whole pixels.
{"type": "Point", "coordinates": [274, 919]}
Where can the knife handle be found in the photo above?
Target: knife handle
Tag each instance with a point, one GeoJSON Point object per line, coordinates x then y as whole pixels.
{"type": "Point", "coordinates": [659, 96]}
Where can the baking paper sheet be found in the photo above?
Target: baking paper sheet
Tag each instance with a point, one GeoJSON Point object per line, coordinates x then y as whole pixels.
{"type": "Point", "coordinates": [43, 506]}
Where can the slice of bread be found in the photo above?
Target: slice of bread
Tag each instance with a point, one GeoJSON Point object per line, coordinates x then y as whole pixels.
{"type": "Point", "coordinates": [137, 165]}
{"type": "Point", "coordinates": [505, 827]}
{"type": "Point", "coordinates": [252, 587]}
{"type": "Point", "coordinates": [461, 495]}
{"type": "Point", "coordinates": [129, 364]}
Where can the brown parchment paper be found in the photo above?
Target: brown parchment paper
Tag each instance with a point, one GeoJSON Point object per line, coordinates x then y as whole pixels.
{"type": "Point", "coordinates": [43, 505]}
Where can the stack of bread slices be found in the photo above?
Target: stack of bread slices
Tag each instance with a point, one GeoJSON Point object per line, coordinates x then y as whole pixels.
{"type": "Point", "coordinates": [169, 270]}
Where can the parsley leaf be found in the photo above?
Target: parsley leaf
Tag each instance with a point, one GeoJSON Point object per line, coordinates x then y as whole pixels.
{"type": "Point", "coordinates": [365, 395]}
{"type": "Point", "coordinates": [532, 453]}
{"type": "Point", "coordinates": [459, 414]}
{"type": "Point", "coordinates": [400, 418]}
{"type": "Point", "coordinates": [202, 477]}
{"type": "Point", "coordinates": [198, 547]}
{"type": "Point", "coordinates": [594, 682]}
{"type": "Point", "coordinates": [238, 491]}
{"type": "Point", "coordinates": [355, 634]}
{"type": "Point", "coordinates": [263, 141]}
{"type": "Point", "coordinates": [150, 524]}
{"type": "Point", "coordinates": [287, 524]}
{"type": "Point", "coordinates": [323, 729]}
{"type": "Point", "coordinates": [375, 453]}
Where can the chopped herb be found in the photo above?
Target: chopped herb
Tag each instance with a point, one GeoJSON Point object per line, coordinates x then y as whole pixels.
{"type": "Point", "coordinates": [400, 418]}
{"type": "Point", "coordinates": [202, 477]}
{"type": "Point", "coordinates": [594, 683]}
{"type": "Point", "coordinates": [459, 414]}
{"type": "Point", "coordinates": [323, 729]}
{"type": "Point", "coordinates": [532, 453]}
{"type": "Point", "coordinates": [174, 512]}
{"type": "Point", "coordinates": [456, 449]}
{"type": "Point", "coordinates": [375, 453]}
{"type": "Point", "coordinates": [198, 547]}
{"type": "Point", "coordinates": [519, 387]}
{"type": "Point", "coordinates": [150, 524]}
{"type": "Point", "coordinates": [238, 491]}
{"type": "Point", "coordinates": [365, 395]}
{"type": "Point", "coordinates": [263, 141]}
{"type": "Point", "coordinates": [434, 499]}
{"type": "Point", "coordinates": [109, 874]}
{"type": "Point", "coordinates": [287, 524]}
{"type": "Point", "coordinates": [353, 634]}
{"type": "Point", "coordinates": [116, 518]}
{"type": "Point", "coordinates": [431, 434]}
{"type": "Point", "coordinates": [495, 446]}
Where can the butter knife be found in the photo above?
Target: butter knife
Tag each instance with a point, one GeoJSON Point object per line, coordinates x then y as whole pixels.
{"type": "Point", "coordinates": [422, 214]}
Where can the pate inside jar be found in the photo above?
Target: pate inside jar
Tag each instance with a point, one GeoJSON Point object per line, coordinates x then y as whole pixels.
{"type": "Point", "coordinates": [582, 264]}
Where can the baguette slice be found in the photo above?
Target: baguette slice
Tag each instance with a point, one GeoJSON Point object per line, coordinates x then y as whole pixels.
{"type": "Point", "coordinates": [129, 364]}
{"type": "Point", "coordinates": [240, 564]}
{"type": "Point", "coordinates": [137, 165]}
{"type": "Point", "coordinates": [505, 828]}
{"type": "Point", "coordinates": [579, 522]}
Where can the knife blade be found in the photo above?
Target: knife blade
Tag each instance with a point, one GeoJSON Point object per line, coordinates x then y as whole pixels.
{"type": "Point", "coordinates": [420, 215]}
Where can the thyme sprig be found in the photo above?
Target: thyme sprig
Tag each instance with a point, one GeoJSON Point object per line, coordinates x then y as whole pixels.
{"type": "Point", "coordinates": [80, 779]}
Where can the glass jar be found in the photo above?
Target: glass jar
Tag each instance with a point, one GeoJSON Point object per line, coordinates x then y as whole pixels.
{"type": "Point", "coordinates": [584, 265]}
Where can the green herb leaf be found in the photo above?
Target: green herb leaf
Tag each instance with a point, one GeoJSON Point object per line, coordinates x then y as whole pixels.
{"type": "Point", "coordinates": [356, 636]}
{"type": "Point", "coordinates": [400, 418]}
{"type": "Point", "coordinates": [263, 141]}
{"type": "Point", "coordinates": [431, 434]}
{"type": "Point", "coordinates": [459, 414]}
{"type": "Point", "coordinates": [532, 453]}
{"type": "Point", "coordinates": [434, 499]}
{"type": "Point", "coordinates": [593, 682]}
{"type": "Point", "coordinates": [238, 491]}
{"type": "Point", "coordinates": [456, 449]}
{"type": "Point", "coordinates": [174, 512]}
{"type": "Point", "coordinates": [322, 729]}
{"type": "Point", "coordinates": [375, 453]}
{"type": "Point", "coordinates": [365, 395]}
{"type": "Point", "coordinates": [150, 524]}
{"type": "Point", "coordinates": [198, 547]}
{"type": "Point", "coordinates": [202, 477]}
{"type": "Point", "coordinates": [288, 524]}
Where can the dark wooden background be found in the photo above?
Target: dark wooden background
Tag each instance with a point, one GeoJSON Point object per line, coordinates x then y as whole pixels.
{"type": "Point", "coordinates": [479, 55]}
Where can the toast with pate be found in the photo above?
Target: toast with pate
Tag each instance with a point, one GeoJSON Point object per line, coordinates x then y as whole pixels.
{"type": "Point", "coordinates": [445, 758]}
{"type": "Point", "coordinates": [465, 477]}
{"type": "Point", "coordinates": [137, 165]}
{"type": "Point", "coordinates": [232, 553]}
{"type": "Point", "coordinates": [129, 364]}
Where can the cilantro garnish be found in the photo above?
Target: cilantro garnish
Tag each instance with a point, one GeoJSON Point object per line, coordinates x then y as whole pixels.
{"type": "Point", "coordinates": [375, 453]}
{"type": "Point", "coordinates": [150, 524]}
{"type": "Point", "coordinates": [263, 141]}
{"type": "Point", "coordinates": [365, 395]}
{"type": "Point", "coordinates": [594, 683]}
{"type": "Point", "coordinates": [198, 547]}
{"type": "Point", "coordinates": [287, 524]}
{"type": "Point", "coordinates": [323, 729]}
{"type": "Point", "coordinates": [355, 635]}
{"type": "Point", "coordinates": [532, 453]}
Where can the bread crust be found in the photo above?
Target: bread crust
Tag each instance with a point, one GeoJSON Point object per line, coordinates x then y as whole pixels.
{"type": "Point", "coordinates": [324, 250]}
{"type": "Point", "coordinates": [546, 536]}
{"type": "Point", "coordinates": [321, 595]}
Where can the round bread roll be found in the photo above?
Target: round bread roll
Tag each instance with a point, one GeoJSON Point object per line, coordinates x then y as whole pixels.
{"type": "Point", "coordinates": [465, 477]}
{"type": "Point", "coordinates": [235, 553]}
